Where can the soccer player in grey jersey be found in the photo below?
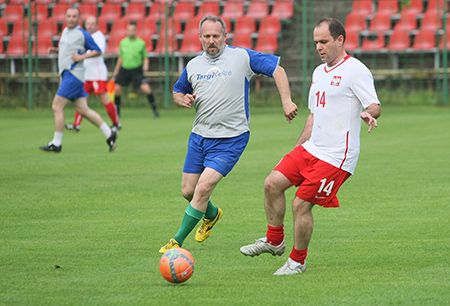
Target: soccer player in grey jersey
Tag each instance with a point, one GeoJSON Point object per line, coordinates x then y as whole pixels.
{"type": "Point", "coordinates": [216, 83]}
{"type": "Point", "coordinates": [73, 47]}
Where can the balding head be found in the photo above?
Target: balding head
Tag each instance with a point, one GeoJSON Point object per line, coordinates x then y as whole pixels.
{"type": "Point", "coordinates": [72, 17]}
{"type": "Point", "coordinates": [91, 24]}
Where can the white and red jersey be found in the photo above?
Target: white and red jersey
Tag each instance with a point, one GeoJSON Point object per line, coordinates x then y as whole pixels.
{"type": "Point", "coordinates": [337, 97]}
{"type": "Point", "coordinates": [95, 68]}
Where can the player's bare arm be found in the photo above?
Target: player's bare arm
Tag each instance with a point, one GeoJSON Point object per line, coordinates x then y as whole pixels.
{"type": "Point", "coordinates": [80, 57]}
{"type": "Point", "coordinates": [281, 80]}
{"type": "Point", "coordinates": [117, 67]}
{"type": "Point", "coordinates": [145, 65]}
{"type": "Point", "coordinates": [370, 115]}
{"type": "Point", "coordinates": [183, 100]}
{"type": "Point", "coordinates": [53, 50]}
{"type": "Point", "coordinates": [306, 133]}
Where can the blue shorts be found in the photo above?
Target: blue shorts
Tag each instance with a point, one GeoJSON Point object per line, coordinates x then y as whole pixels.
{"type": "Point", "coordinates": [220, 154]}
{"type": "Point", "coordinates": [70, 87]}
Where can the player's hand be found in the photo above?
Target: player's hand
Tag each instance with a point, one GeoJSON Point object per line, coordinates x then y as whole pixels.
{"type": "Point", "coordinates": [52, 50]}
{"type": "Point", "coordinates": [369, 120]}
{"type": "Point", "coordinates": [77, 57]}
{"type": "Point", "coordinates": [290, 110]}
{"type": "Point", "coordinates": [188, 100]}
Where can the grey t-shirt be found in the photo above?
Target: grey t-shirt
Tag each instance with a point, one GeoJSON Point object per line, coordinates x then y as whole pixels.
{"type": "Point", "coordinates": [75, 40]}
{"type": "Point", "coordinates": [221, 85]}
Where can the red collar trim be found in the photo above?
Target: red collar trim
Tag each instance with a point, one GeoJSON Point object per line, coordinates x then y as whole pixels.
{"type": "Point", "coordinates": [337, 65]}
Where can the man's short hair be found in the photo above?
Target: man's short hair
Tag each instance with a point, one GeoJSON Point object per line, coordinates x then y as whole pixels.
{"type": "Point", "coordinates": [335, 27]}
{"type": "Point", "coordinates": [213, 19]}
{"type": "Point", "coordinates": [132, 23]}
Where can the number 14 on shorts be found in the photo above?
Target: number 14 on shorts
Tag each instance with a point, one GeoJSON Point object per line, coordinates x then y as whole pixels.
{"type": "Point", "coordinates": [325, 186]}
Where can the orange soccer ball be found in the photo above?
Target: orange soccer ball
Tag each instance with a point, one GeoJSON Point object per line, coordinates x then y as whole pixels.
{"type": "Point", "coordinates": [176, 265]}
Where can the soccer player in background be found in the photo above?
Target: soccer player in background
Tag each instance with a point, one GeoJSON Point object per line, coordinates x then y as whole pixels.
{"type": "Point", "coordinates": [72, 51]}
{"type": "Point", "coordinates": [342, 93]}
{"type": "Point", "coordinates": [130, 67]}
{"type": "Point", "coordinates": [216, 83]}
{"type": "Point", "coordinates": [96, 76]}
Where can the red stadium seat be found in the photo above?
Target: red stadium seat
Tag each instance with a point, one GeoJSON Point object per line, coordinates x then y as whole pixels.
{"type": "Point", "coordinates": [190, 44]}
{"type": "Point", "coordinates": [413, 7]}
{"type": "Point", "coordinates": [119, 27]}
{"type": "Point", "coordinates": [352, 40]}
{"type": "Point", "coordinates": [87, 9]}
{"type": "Point", "coordinates": [146, 27]}
{"type": "Point", "coordinates": [355, 22]}
{"type": "Point", "coordinates": [435, 5]}
{"type": "Point", "coordinates": [362, 7]}
{"type": "Point", "coordinates": [373, 43]}
{"type": "Point", "coordinates": [3, 29]}
{"type": "Point", "coordinates": [46, 29]}
{"type": "Point", "coordinates": [114, 43]}
{"type": "Point", "coordinates": [267, 43]}
{"type": "Point", "coordinates": [173, 26]}
{"type": "Point", "coordinates": [425, 40]}
{"type": "Point", "coordinates": [20, 27]}
{"type": "Point", "coordinates": [192, 26]}
{"type": "Point", "coordinates": [161, 44]}
{"type": "Point", "coordinates": [258, 9]}
{"type": "Point", "coordinates": [111, 11]}
{"type": "Point", "coordinates": [246, 25]}
{"type": "Point", "coordinates": [59, 10]}
{"type": "Point", "coordinates": [135, 11]}
{"type": "Point", "coordinates": [184, 10]}
{"type": "Point", "coordinates": [270, 25]}
{"type": "Point", "coordinates": [41, 46]}
{"type": "Point", "coordinates": [407, 21]}
{"type": "Point", "coordinates": [242, 40]}
{"type": "Point", "coordinates": [39, 11]}
{"type": "Point", "coordinates": [380, 22]}
{"type": "Point", "coordinates": [92, 1]}
{"type": "Point", "coordinates": [103, 25]}
{"type": "Point", "coordinates": [431, 21]}
{"type": "Point", "coordinates": [441, 45]}
{"type": "Point", "coordinates": [399, 40]}
{"type": "Point", "coordinates": [283, 9]}
{"type": "Point", "coordinates": [209, 8]}
{"type": "Point", "coordinates": [157, 10]}
{"type": "Point", "coordinates": [17, 46]}
{"type": "Point", "coordinates": [233, 9]}
{"type": "Point", "coordinates": [387, 7]}
{"type": "Point", "coordinates": [13, 12]}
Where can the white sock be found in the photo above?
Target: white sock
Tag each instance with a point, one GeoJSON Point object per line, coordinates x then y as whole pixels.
{"type": "Point", "coordinates": [57, 139]}
{"type": "Point", "coordinates": [106, 130]}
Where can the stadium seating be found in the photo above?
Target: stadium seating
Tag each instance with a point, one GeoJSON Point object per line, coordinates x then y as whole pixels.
{"type": "Point", "coordinates": [157, 10]}
{"type": "Point", "coordinates": [435, 5]}
{"type": "Point", "coordinates": [233, 9]}
{"type": "Point", "coordinates": [441, 45]}
{"type": "Point", "coordinates": [270, 25]}
{"type": "Point", "coordinates": [42, 45]}
{"type": "Point", "coordinates": [425, 40]}
{"type": "Point", "coordinates": [399, 40]}
{"type": "Point", "coordinates": [362, 7]}
{"type": "Point", "coordinates": [13, 12]}
{"type": "Point", "coordinates": [242, 40]}
{"type": "Point", "coordinates": [431, 21]}
{"type": "Point", "coordinates": [246, 25]}
{"type": "Point", "coordinates": [389, 7]}
{"type": "Point", "coordinates": [59, 10]}
{"type": "Point", "coordinates": [184, 10]}
{"type": "Point", "coordinates": [407, 22]}
{"type": "Point", "coordinates": [380, 22]}
{"type": "Point", "coordinates": [414, 7]}
{"type": "Point", "coordinates": [103, 25]}
{"type": "Point", "coordinates": [355, 22]}
{"type": "Point", "coordinates": [209, 8]}
{"type": "Point", "coordinates": [283, 9]}
{"type": "Point", "coordinates": [267, 43]}
{"type": "Point", "coordinates": [373, 43]}
{"type": "Point", "coordinates": [146, 27]}
{"type": "Point", "coordinates": [46, 29]}
{"type": "Point", "coordinates": [17, 46]}
{"type": "Point", "coordinates": [135, 11]}
{"type": "Point", "coordinates": [3, 29]}
{"type": "Point", "coordinates": [161, 43]}
{"type": "Point", "coordinates": [192, 26]}
{"type": "Point", "coordinates": [111, 11]}
{"type": "Point", "coordinates": [20, 27]}
{"type": "Point", "coordinates": [119, 27]}
{"type": "Point", "coordinates": [87, 9]}
{"type": "Point", "coordinates": [39, 11]}
{"type": "Point", "coordinates": [352, 40]}
{"type": "Point", "coordinates": [113, 43]}
{"type": "Point", "coordinates": [258, 9]}
{"type": "Point", "coordinates": [190, 44]}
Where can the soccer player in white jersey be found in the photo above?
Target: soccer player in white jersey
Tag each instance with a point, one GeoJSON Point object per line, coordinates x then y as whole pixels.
{"type": "Point", "coordinates": [96, 76]}
{"type": "Point", "coordinates": [216, 84]}
{"type": "Point", "coordinates": [72, 51]}
{"type": "Point", "coordinates": [341, 94]}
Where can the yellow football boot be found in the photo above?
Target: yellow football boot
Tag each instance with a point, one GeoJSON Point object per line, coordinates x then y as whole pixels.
{"type": "Point", "coordinates": [172, 244]}
{"type": "Point", "coordinates": [204, 231]}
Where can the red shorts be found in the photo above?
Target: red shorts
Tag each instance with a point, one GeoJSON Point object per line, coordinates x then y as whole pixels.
{"type": "Point", "coordinates": [318, 182]}
{"type": "Point", "coordinates": [95, 87]}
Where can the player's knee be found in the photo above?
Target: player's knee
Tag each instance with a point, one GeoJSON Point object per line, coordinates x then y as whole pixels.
{"type": "Point", "coordinates": [270, 185]}
{"type": "Point", "coordinates": [187, 192]}
{"type": "Point", "coordinates": [204, 188]}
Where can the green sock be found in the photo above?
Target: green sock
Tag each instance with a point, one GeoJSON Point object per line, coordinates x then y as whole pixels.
{"type": "Point", "coordinates": [190, 220]}
{"type": "Point", "coordinates": [211, 211]}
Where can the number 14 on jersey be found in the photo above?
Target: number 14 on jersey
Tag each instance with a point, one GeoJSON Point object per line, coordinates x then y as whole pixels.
{"type": "Point", "coordinates": [320, 98]}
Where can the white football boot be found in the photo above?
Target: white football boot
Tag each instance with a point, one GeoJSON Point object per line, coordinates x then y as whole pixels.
{"type": "Point", "coordinates": [262, 246]}
{"type": "Point", "coordinates": [291, 267]}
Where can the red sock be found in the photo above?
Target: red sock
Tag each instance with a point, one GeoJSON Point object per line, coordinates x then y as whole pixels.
{"type": "Point", "coordinates": [299, 255]}
{"type": "Point", "coordinates": [275, 234]}
{"type": "Point", "coordinates": [112, 113]}
{"type": "Point", "coordinates": [77, 119]}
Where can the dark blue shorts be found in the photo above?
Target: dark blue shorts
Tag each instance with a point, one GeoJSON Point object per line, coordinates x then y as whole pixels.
{"type": "Point", "coordinates": [70, 87]}
{"type": "Point", "coordinates": [220, 154]}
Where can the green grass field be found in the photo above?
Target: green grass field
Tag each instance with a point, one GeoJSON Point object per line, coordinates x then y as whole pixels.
{"type": "Point", "coordinates": [102, 217]}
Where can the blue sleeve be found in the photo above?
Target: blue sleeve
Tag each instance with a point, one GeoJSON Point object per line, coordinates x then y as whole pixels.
{"type": "Point", "coordinates": [262, 63]}
{"type": "Point", "coordinates": [182, 84]}
{"type": "Point", "coordinates": [89, 43]}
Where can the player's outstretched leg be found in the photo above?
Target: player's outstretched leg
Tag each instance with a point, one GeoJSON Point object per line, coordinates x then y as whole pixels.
{"type": "Point", "coordinates": [212, 216]}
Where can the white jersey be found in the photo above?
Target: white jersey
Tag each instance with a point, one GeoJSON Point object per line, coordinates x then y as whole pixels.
{"type": "Point", "coordinates": [95, 68]}
{"type": "Point", "coordinates": [337, 97]}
